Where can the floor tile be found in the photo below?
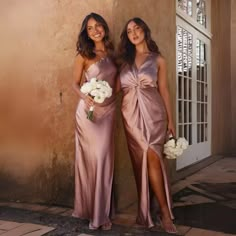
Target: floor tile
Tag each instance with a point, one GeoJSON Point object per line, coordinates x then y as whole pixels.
{"type": "Point", "coordinates": [182, 229]}
{"type": "Point", "coordinates": [8, 225]}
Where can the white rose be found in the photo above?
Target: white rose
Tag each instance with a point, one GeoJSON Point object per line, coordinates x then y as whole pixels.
{"type": "Point", "coordinates": [170, 143]}
{"type": "Point", "coordinates": [93, 80]}
{"type": "Point", "coordinates": [86, 88]}
{"type": "Point", "coordinates": [95, 93]}
{"type": "Point", "coordinates": [99, 99]}
{"type": "Point", "coordinates": [182, 142]}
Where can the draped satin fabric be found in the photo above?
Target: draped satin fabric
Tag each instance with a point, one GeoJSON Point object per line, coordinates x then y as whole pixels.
{"type": "Point", "coordinates": [145, 121]}
{"type": "Point", "coordinates": [94, 159]}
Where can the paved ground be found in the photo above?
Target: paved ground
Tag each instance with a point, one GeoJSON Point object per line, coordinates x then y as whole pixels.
{"type": "Point", "coordinates": [204, 205]}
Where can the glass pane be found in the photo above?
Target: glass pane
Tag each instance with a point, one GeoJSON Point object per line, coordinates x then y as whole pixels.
{"type": "Point", "coordinates": [190, 67]}
{"type": "Point", "coordinates": [186, 6]}
{"type": "Point", "coordinates": [190, 134]}
{"type": "Point", "coordinates": [202, 92]}
{"type": "Point", "coordinates": [180, 38]}
{"type": "Point", "coordinates": [186, 131]}
{"type": "Point", "coordinates": [202, 113]}
{"type": "Point", "coordinates": [185, 112]}
{"type": "Point", "coordinates": [205, 118]}
{"type": "Point", "coordinates": [205, 75]}
{"type": "Point", "coordinates": [185, 64]}
{"type": "Point", "coordinates": [185, 41]}
{"type": "Point", "coordinates": [198, 133]}
{"type": "Point", "coordinates": [205, 132]}
{"type": "Point", "coordinates": [182, 4]}
{"type": "Point", "coordinates": [180, 86]}
{"type": "Point", "coordinates": [190, 90]}
{"type": "Point", "coordinates": [202, 59]}
{"type": "Point", "coordinates": [190, 44]}
{"type": "Point", "coordinates": [198, 112]}
{"type": "Point", "coordinates": [202, 72]}
{"type": "Point", "coordinates": [198, 58]}
{"type": "Point", "coordinates": [205, 93]}
{"type": "Point", "coordinates": [185, 88]}
{"type": "Point", "coordinates": [190, 112]}
{"type": "Point", "coordinates": [180, 131]}
{"type": "Point", "coordinates": [180, 112]}
{"type": "Point", "coordinates": [202, 132]}
{"type": "Point", "coordinates": [190, 8]}
{"type": "Point", "coordinates": [201, 12]}
{"type": "Point", "coordinates": [180, 63]}
{"type": "Point", "coordinates": [198, 91]}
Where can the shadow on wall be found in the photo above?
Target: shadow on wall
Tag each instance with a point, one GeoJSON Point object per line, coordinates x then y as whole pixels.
{"type": "Point", "coordinates": [49, 184]}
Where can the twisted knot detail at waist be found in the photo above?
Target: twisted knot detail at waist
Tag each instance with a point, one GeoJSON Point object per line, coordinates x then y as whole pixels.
{"type": "Point", "coordinates": [139, 84]}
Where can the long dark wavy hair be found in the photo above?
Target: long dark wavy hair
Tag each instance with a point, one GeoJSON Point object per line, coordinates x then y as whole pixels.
{"type": "Point", "coordinates": [126, 50]}
{"type": "Point", "coordinates": [85, 46]}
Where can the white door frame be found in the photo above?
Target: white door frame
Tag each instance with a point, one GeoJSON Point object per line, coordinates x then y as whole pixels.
{"type": "Point", "coordinates": [196, 151]}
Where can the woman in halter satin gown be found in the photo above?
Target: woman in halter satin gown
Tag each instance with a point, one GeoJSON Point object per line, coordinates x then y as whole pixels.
{"type": "Point", "coordinates": [94, 140]}
{"type": "Point", "coordinates": [147, 117]}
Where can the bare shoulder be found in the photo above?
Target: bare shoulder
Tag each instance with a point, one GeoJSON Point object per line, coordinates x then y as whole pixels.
{"type": "Point", "coordinates": [161, 62]}
{"type": "Point", "coordinates": [79, 59]}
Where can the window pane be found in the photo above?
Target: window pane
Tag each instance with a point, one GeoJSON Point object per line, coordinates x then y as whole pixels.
{"type": "Point", "coordinates": [186, 6]}
{"type": "Point", "coordinates": [180, 87]}
{"type": "Point", "coordinates": [201, 12]}
{"type": "Point", "coordinates": [198, 112]}
{"type": "Point", "coordinates": [180, 112]}
{"type": "Point", "coordinates": [190, 112]}
{"type": "Point", "coordinates": [205, 132]}
{"type": "Point", "coordinates": [198, 91]}
{"type": "Point", "coordinates": [185, 64]}
{"type": "Point", "coordinates": [180, 38]}
{"type": "Point", "coordinates": [202, 113]}
{"type": "Point", "coordinates": [185, 112]}
{"type": "Point", "coordinates": [190, 134]}
{"type": "Point", "coordinates": [190, 90]}
{"type": "Point", "coordinates": [205, 118]}
{"type": "Point", "coordinates": [185, 88]}
{"type": "Point", "coordinates": [190, 67]}
{"type": "Point", "coordinates": [180, 131]}
{"type": "Point", "coordinates": [185, 41]}
{"type": "Point", "coordinates": [186, 131]}
{"type": "Point", "coordinates": [198, 58]}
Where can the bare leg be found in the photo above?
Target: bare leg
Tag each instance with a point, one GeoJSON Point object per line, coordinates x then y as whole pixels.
{"type": "Point", "coordinates": [157, 183]}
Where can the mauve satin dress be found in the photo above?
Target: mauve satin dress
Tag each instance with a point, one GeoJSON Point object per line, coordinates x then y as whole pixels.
{"type": "Point", "coordinates": [145, 122]}
{"type": "Point", "coordinates": [94, 157]}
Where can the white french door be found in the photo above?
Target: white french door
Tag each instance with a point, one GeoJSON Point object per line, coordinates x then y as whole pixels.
{"type": "Point", "coordinates": [193, 92]}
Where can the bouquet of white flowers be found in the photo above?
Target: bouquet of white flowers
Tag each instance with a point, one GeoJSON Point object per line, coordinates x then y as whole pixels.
{"type": "Point", "coordinates": [174, 148]}
{"type": "Point", "coordinates": [99, 90]}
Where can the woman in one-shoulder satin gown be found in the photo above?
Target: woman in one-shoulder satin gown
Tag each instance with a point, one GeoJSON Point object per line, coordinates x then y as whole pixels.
{"type": "Point", "coordinates": [147, 117]}
{"type": "Point", "coordinates": [94, 140]}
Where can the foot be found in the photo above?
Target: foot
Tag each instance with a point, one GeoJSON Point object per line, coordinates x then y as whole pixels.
{"type": "Point", "coordinates": [91, 227]}
{"type": "Point", "coordinates": [168, 225]}
{"type": "Point", "coordinates": [107, 226]}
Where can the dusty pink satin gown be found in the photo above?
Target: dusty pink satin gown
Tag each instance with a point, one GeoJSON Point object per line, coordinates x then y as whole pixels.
{"type": "Point", "coordinates": [94, 159]}
{"type": "Point", "coordinates": [145, 121]}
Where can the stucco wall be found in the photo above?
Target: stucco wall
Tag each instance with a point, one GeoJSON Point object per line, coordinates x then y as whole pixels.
{"type": "Point", "coordinates": [221, 78]}
{"type": "Point", "coordinates": [233, 73]}
{"type": "Point", "coordinates": [37, 53]}
{"type": "Point", "coordinates": [37, 104]}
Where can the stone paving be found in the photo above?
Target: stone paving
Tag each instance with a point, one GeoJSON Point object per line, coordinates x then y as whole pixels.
{"type": "Point", "coordinates": [204, 205]}
{"type": "Point", "coordinates": [10, 228]}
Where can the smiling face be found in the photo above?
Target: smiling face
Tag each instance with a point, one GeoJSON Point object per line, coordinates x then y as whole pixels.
{"type": "Point", "coordinates": [95, 30]}
{"type": "Point", "coordinates": [135, 33]}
